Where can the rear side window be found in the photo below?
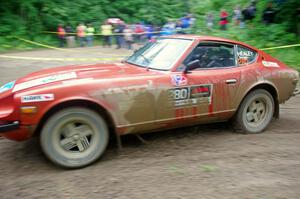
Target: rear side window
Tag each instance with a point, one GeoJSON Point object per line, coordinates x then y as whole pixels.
{"type": "Point", "coordinates": [245, 55]}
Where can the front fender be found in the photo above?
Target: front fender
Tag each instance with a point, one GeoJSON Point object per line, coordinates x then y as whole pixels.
{"type": "Point", "coordinates": [46, 109]}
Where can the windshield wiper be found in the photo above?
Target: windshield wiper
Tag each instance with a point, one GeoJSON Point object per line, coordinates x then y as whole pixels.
{"type": "Point", "coordinates": [146, 59]}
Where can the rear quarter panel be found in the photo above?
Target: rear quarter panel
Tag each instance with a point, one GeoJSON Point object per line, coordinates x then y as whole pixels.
{"type": "Point", "coordinates": [282, 77]}
{"type": "Point", "coordinates": [279, 77]}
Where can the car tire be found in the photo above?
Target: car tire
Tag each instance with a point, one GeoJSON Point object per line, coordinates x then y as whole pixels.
{"type": "Point", "coordinates": [255, 112]}
{"type": "Point", "coordinates": [74, 137]}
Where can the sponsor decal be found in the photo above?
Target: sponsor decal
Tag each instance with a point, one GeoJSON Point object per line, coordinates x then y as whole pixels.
{"type": "Point", "coordinates": [245, 53]}
{"type": "Point", "coordinates": [37, 98]}
{"type": "Point", "coordinates": [7, 86]}
{"type": "Point", "coordinates": [185, 102]}
{"type": "Point", "coordinates": [242, 60]}
{"type": "Point", "coordinates": [44, 80]}
{"type": "Point", "coordinates": [200, 91]}
{"type": "Point", "coordinates": [245, 56]}
{"type": "Point", "coordinates": [179, 80]}
{"type": "Point", "coordinates": [181, 103]}
{"type": "Point", "coordinates": [270, 64]}
{"type": "Point", "coordinates": [191, 95]}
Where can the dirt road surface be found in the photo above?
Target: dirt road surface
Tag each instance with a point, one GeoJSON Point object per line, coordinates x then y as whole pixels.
{"type": "Point", "coordinates": [207, 161]}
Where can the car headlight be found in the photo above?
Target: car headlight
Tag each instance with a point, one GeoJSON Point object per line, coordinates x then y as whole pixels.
{"type": "Point", "coordinates": [7, 86]}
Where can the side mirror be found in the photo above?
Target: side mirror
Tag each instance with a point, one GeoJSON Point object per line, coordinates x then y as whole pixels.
{"type": "Point", "coordinates": [192, 65]}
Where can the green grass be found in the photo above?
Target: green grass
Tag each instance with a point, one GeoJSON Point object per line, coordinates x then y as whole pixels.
{"type": "Point", "coordinates": [289, 56]}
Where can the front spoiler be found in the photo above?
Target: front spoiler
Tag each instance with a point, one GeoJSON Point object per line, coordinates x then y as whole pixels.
{"type": "Point", "coordinates": [9, 127]}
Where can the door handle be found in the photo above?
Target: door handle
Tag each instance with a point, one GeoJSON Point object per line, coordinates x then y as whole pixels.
{"type": "Point", "coordinates": [231, 81]}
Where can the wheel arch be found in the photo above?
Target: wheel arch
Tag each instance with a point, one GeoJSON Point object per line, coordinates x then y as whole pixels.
{"type": "Point", "coordinates": [272, 90]}
{"type": "Point", "coordinates": [77, 103]}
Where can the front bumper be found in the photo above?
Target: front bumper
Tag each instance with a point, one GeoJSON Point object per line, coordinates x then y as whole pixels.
{"type": "Point", "coordinates": [4, 128]}
{"type": "Point", "coordinates": [12, 123]}
{"type": "Point", "coordinates": [15, 131]}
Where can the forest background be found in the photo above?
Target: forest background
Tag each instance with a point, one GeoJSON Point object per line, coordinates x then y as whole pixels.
{"type": "Point", "coordinates": [29, 19]}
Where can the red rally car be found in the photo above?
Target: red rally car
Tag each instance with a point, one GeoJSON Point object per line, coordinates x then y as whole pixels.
{"type": "Point", "coordinates": [173, 82]}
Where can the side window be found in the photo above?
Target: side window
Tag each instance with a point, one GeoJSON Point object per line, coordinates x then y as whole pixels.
{"type": "Point", "coordinates": [245, 56]}
{"type": "Point", "coordinates": [212, 55]}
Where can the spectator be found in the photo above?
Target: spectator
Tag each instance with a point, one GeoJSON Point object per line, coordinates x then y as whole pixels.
{"type": "Point", "coordinates": [156, 30]}
{"type": "Point", "coordinates": [90, 30]}
{"type": "Point", "coordinates": [61, 35]}
{"type": "Point", "coordinates": [106, 31]}
{"type": "Point", "coordinates": [149, 31]}
{"type": "Point", "coordinates": [223, 19]}
{"type": "Point", "coordinates": [249, 12]}
{"type": "Point", "coordinates": [119, 30]}
{"type": "Point", "coordinates": [186, 21]}
{"type": "Point", "coordinates": [167, 30]}
{"type": "Point", "coordinates": [179, 29]}
{"type": "Point", "coordinates": [81, 34]}
{"type": "Point", "coordinates": [209, 21]}
{"type": "Point", "coordinates": [139, 30]}
{"type": "Point", "coordinates": [192, 20]}
{"type": "Point", "coordinates": [237, 15]}
{"type": "Point", "coordinates": [269, 14]}
{"type": "Point", "coordinates": [171, 24]}
{"type": "Point", "coordinates": [69, 37]}
{"type": "Point", "coordinates": [128, 37]}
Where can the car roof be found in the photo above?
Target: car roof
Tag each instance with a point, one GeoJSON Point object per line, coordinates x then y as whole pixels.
{"type": "Point", "coordinates": [210, 38]}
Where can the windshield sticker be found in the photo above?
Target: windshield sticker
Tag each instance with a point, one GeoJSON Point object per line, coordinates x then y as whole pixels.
{"type": "Point", "coordinates": [44, 80]}
{"type": "Point", "coordinates": [37, 98]}
{"type": "Point", "coordinates": [7, 86]}
{"type": "Point", "coordinates": [179, 80]}
{"type": "Point", "coordinates": [245, 53]}
{"type": "Point", "coordinates": [270, 64]}
{"type": "Point", "coordinates": [243, 60]}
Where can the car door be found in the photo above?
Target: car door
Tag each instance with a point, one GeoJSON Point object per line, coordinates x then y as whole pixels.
{"type": "Point", "coordinates": [215, 82]}
{"type": "Point", "coordinates": [206, 92]}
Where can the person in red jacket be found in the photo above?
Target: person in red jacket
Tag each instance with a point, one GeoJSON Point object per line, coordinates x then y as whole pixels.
{"type": "Point", "coordinates": [139, 31]}
{"type": "Point", "coordinates": [61, 34]}
{"type": "Point", "coordinates": [223, 19]}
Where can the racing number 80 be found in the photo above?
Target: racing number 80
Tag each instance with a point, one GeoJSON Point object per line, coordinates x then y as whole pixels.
{"type": "Point", "coordinates": [180, 93]}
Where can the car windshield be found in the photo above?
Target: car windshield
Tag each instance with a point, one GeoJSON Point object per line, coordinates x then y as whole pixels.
{"type": "Point", "coordinates": [161, 54]}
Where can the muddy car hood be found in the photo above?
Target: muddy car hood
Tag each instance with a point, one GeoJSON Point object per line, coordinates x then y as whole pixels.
{"type": "Point", "coordinates": [97, 71]}
{"type": "Point", "coordinates": [84, 71]}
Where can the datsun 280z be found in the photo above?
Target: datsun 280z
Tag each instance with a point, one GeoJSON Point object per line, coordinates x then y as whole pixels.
{"type": "Point", "coordinates": [172, 82]}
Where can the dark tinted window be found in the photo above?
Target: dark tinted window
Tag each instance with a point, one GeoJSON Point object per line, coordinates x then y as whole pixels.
{"type": "Point", "coordinates": [245, 55]}
{"type": "Point", "coordinates": [212, 55]}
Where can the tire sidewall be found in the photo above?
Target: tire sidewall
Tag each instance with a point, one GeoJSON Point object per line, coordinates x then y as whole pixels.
{"type": "Point", "coordinates": [241, 116]}
{"type": "Point", "coordinates": [99, 145]}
